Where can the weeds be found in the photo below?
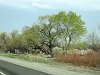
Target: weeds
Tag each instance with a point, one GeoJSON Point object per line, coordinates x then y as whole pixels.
{"type": "Point", "coordinates": [29, 57]}
{"type": "Point", "coordinates": [89, 59]}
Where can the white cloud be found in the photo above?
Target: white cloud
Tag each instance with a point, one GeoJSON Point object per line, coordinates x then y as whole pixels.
{"type": "Point", "coordinates": [55, 4]}
{"type": "Point", "coordinates": [39, 5]}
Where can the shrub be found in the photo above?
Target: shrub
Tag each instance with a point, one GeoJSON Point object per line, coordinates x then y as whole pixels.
{"type": "Point", "coordinates": [92, 59]}
{"type": "Point", "coordinates": [89, 59]}
{"type": "Point", "coordinates": [67, 58]}
{"type": "Point", "coordinates": [57, 51]}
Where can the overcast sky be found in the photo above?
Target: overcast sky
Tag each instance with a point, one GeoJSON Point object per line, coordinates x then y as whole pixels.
{"type": "Point", "coordinates": [15, 14]}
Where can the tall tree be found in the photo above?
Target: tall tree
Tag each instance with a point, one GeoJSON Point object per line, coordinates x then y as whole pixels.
{"type": "Point", "coordinates": [13, 35]}
{"type": "Point", "coordinates": [71, 26]}
{"type": "Point", "coordinates": [31, 37]}
{"type": "Point", "coordinates": [48, 31]}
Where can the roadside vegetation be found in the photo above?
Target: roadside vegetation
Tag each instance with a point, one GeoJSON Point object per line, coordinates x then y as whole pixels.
{"type": "Point", "coordinates": [60, 37]}
{"type": "Point", "coordinates": [87, 60]}
{"type": "Point", "coordinates": [29, 57]}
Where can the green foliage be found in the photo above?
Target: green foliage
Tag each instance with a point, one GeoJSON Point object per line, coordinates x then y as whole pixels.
{"type": "Point", "coordinates": [18, 42]}
{"type": "Point", "coordinates": [81, 45]}
{"type": "Point", "coordinates": [4, 41]}
{"type": "Point", "coordinates": [47, 32]}
{"type": "Point", "coordinates": [70, 25]}
{"type": "Point", "coordinates": [30, 35]}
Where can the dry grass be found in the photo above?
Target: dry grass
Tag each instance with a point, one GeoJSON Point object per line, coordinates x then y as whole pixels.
{"type": "Point", "coordinates": [89, 59]}
{"type": "Point", "coordinates": [35, 53]}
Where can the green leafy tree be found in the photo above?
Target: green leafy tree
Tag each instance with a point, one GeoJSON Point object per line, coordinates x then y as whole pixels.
{"type": "Point", "coordinates": [12, 42]}
{"type": "Point", "coordinates": [31, 37]}
{"type": "Point", "coordinates": [48, 31]}
{"type": "Point", "coordinates": [71, 25]}
{"type": "Point", "coordinates": [4, 41]}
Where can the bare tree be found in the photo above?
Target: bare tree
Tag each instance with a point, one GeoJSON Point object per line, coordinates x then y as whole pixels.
{"type": "Point", "coordinates": [93, 41]}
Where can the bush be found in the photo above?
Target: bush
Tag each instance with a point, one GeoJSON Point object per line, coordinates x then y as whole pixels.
{"type": "Point", "coordinates": [69, 58]}
{"type": "Point", "coordinates": [89, 59]}
{"type": "Point", "coordinates": [57, 51]}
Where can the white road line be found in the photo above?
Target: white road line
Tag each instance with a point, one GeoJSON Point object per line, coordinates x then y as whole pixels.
{"type": "Point", "coordinates": [2, 73]}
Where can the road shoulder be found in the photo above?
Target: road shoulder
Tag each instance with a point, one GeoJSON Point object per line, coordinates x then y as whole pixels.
{"type": "Point", "coordinates": [48, 68]}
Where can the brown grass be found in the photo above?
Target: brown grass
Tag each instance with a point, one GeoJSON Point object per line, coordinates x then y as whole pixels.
{"type": "Point", "coordinates": [89, 59]}
{"type": "Point", "coordinates": [35, 53]}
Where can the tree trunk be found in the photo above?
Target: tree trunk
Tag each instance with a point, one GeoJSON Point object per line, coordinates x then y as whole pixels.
{"type": "Point", "coordinates": [70, 39]}
{"type": "Point", "coordinates": [50, 49]}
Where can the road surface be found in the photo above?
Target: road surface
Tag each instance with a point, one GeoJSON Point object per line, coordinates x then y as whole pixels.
{"type": "Point", "coordinates": [7, 68]}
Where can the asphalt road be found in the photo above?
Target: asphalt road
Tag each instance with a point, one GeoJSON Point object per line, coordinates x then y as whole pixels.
{"type": "Point", "coordinates": [7, 68]}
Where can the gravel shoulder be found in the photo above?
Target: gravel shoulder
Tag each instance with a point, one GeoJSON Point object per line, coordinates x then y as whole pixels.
{"type": "Point", "coordinates": [58, 69]}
